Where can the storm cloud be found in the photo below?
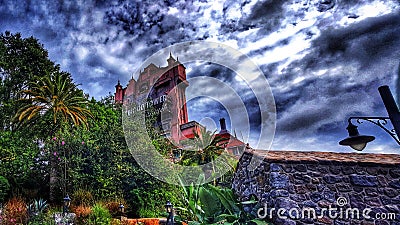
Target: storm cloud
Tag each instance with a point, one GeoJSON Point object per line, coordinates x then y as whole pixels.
{"type": "Point", "coordinates": [324, 60]}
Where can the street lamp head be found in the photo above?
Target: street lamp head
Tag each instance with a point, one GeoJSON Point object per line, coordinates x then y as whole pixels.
{"type": "Point", "coordinates": [121, 208]}
{"type": "Point", "coordinates": [355, 140]}
{"type": "Point", "coordinates": [67, 201]}
{"type": "Point", "coordinates": [169, 207]}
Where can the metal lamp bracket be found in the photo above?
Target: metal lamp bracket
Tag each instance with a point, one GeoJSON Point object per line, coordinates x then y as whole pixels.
{"type": "Point", "coordinates": [381, 122]}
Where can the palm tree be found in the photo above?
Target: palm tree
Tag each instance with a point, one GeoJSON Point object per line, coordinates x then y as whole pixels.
{"type": "Point", "coordinates": [206, 148]}
{"type": "Point", "coordinates": [57, 101]}
{"type": "Point", "coordinates": [57, 97]}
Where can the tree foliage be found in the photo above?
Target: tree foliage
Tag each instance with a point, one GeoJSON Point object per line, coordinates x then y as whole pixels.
{"type": "Point", "coordinates": [21, 61]}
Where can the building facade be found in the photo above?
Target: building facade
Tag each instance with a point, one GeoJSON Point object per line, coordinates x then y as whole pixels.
{"type": "Point", "coordinates": [164, 88]}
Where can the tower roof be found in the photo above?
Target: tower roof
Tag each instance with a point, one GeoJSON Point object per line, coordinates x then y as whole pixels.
{"type": "Point", "coordinates": [119, 84]}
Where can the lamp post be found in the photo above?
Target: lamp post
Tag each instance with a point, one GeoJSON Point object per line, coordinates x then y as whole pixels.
{"type": "Point", "coordinates": [170, 210]}
{"type": "Point", "coordinates": [67, 203]}
{"type": "Point", "coordinates": [359, 142]}
{"type": "Point", "coordinates": [121, 209]}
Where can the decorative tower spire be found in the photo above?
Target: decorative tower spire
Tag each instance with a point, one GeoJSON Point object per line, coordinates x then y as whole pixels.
{"type": "Point", "coordinates": [171, 60]}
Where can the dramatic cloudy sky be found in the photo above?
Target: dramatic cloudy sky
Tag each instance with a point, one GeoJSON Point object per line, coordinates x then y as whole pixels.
{"type": "Point", "coordinates": [324, 59]}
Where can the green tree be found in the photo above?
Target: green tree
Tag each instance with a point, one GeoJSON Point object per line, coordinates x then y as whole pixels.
{"type": "Point", "coordinates": [56, 101]}
{"type": "Point", "coordinates": [20, 162]}
{"type": "Point", "coordinates": [21, 60]}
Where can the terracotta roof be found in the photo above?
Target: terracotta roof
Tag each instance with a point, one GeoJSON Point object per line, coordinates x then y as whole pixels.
{"type": "Point", "coordinates": [235, 142]}
{"type": "Point", "coordinates": [393, 159]}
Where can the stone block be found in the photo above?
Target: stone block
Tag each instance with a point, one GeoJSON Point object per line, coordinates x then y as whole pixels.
{"type": "Point", "coordinates": [300, 178]}
{"type": "Point", "coordinates": [321, 187]}
{"type": "Point", "coordinates": [347, 170]}
{"type": "Point", "coordinates": [312, 167]}
{"type": "Point", "coordinates": [332, 179]}
{"type": "Point", "coordinates": [324, 204]}
{"type": "Point", "coordinates": [329, 195]}
{"type": "Point", "coordinates": [316, 196]}
{"type": "Point", "coordinates": [390, 192]}
{"type": "Point", "coordinates": [360, 170]}
{"type": "Point", "coordinates": [310, 204]}
{"type": "Point", "coordinates": [323, 169]}
{"type": "Point", "coordinates": [325, 220]}
{"type": "Point", "coordinates": [383, 180]}
{"type": "Point", "coordinates": [394, 173]}
{"type": "Point", "coordinates": [283, 221]}
{"type": "Point", "coordinates": [331, 187]}
{"type": "Point", "coordinates": [275, 167]}
{"type": "Point", "coordinates": [357, 201]}
{"type": "Point", "coordinates": [335, 169]}
{"type": "Point", "coordinates": [341, 222]}
{"type": "Point", "coordinates": [278, 180]}
{"type": "Point", "coordinates": [300, 189]}
{"type": "Point", "coordinates": [344, 187]}
{"type": "Point", "coordinates": [279, 193]}
{"type": "Point", "coordinates": [372, 201]}
{"type": "Point", "coordinates": [395, 184]}
{"type": "Point", "coordinates": [372, 192]}
{"type": "Point", "coordinates": [372, 170]}
{"type": "Point", "coordinates": [311, 187]}
{"type": "Point", "coordinates": [287, 168]}
{"type": "Point", "coordinates": [381, 222]}
{"type": "Point", "coordinates": [393, 208]}
{"type": "Point", "coordinates": [298, 197]}
{"type": "Point", "coordinates": [300, 168]}
{"type": "Point", "coordinates": [364, 180]}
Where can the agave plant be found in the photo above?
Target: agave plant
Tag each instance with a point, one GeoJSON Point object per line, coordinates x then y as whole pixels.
{"type": "Point", "coordinates": [208, 204]}
{"type": "Point", "coordinates": [36, 208]}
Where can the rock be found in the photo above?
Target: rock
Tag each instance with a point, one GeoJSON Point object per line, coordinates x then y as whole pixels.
{"type": "Point", "coordinates": [372, 201]}
{"type": "Point", "coordinates": [395, 184]}
{"type": "Point", "coordinates": [300, 168]}
{"type": "Point", "coordinates": [287, 168]}
{"type": "Point", "coordinates": [390, 192]}
{"type": "Point", "coordinates": [371, 192]}
{"type": "Point", "coordinates": [347, 170]}
{"type": "Point", "coordinates": [278, 180]}
{"type": "Point", "coordinates": [310, 204]}
{"type": "Point", "coordinates": [279, 193]}
{"type": "Point", "coordinates": [364, 180]}
{"type": "Point", "coordinates": [394, 173]}
{"type": "Point", "coordinates": [312, 167]}
{"type": "Point", "coordinates": [298, 197]}
{"type": "Point", "coordinates": [316, 196]}
{"type": "Point", "coordinates": [330, 179]}
{"type": "Point", "coordinates": [343, 187]}
{"type": "Point", "coordinates": [275, 167]}
{"type": "Point", "coordinates": [335, 169]}
{"type": "Point", "coordinates": [301, 178]}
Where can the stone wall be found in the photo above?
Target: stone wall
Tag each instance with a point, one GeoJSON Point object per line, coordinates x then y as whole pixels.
{"type": "Point", "coordinates": [320, 187]}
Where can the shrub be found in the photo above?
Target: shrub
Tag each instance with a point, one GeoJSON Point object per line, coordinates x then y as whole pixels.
{"type": "Point", "coordinates": [14, 212]}
{"type": "Point", "coordinates": [82, 197]}
{"type": "Point", "coordinates": [4, 188]}
{"type": "Point", "coordinates": [82, 214]}
{"type": "Point", "coordinates": [113, 206]}
{"type": "Point", "coordinates": [99, 215]}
